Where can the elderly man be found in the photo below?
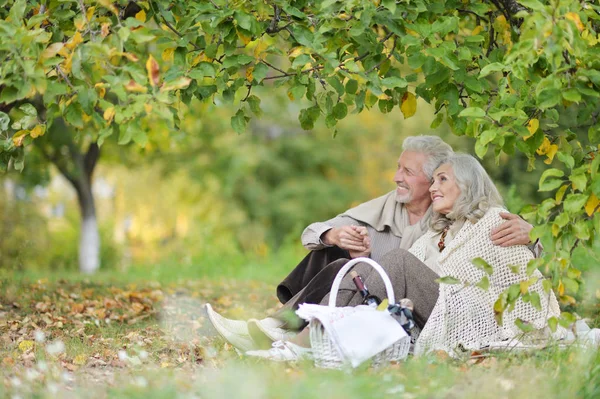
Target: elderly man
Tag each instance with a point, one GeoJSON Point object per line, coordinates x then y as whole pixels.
{"type": "Point", "coordinates": [374, 228]}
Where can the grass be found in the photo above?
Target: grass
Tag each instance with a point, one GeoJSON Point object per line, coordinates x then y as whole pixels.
{"type": "Point", "coordinates": [143, 334]}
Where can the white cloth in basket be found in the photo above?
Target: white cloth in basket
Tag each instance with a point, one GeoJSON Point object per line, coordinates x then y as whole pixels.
{"type": "Point", "coordinates": [359, 332]}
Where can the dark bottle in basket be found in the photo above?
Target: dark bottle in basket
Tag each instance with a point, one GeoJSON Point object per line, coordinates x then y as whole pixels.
{"type": "Point", "coordinates": [368, 299]}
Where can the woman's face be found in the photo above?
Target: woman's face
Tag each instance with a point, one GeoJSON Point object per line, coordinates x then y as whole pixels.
{"type": "Point", "coordinates": [444, 190]}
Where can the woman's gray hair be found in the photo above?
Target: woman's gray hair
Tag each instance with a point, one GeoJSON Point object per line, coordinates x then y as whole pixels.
{"type": "Point", "coordinates": [434, 147]}
{"type": "Point", "coordinates": [477, 192]}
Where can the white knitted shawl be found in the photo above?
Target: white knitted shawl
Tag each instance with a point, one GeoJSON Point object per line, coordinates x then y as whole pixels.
{"type": "Point", "coordinates": [463, 314]}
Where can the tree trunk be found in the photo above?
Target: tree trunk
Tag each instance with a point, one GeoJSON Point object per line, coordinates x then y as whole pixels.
{"type": "Point", "coordinates": [78, 169]}
{"type": "Point", "coordinates": [89, 239]}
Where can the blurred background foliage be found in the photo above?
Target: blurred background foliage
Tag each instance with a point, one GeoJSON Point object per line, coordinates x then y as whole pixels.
{"type": "Point", "coordinates": [213, 202]}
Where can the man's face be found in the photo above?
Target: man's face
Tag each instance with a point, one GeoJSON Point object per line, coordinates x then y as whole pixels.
{"type": "Point", "coordinates": [412, 183]}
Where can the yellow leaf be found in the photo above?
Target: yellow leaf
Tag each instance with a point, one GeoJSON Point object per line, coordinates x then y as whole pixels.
{"type": "Point", "coordinates": [179, 83]}
{"type": "Point", "coordinates": [555, 230]}
{"type": "Point", "coordinates": [561, 288]}
{"type": "Point", "coordinates": [109, 114]}
{"type": "Point", "coordinates": [80, 360]}
{"type": "Point", "coordinates": [249, 76]}
{"type": "Point", "coordinates": [153, 71]}
{"type": "Point", "coordinates": [561, 193]}
{"type": "Point", "coordinates": [296, 51]}
{"type": "Point", "coordinates": [573, 16]}
{"type": "Point", "coordinates": [130, 57]}
{"type": "Point", "coordinates": [101, 89]}
{"type": "Point", "coordinates": [244, 38]}
{"type": "Point", "coordinates": [24, 346]}
{"type": "Point", "coordinates": [51, 50]}
{"type": "Point", "coordinates": [524, 286]}
{"type": "Point", "coordinates": [591, 204]}
{"type": "Point", "coordinates": [79, 23]}
{"type": "Point", "coordinates": [141, 16]}
{"type": "Point", "coordinates": [409, 105]}
{"type": "Point", "coordinates": [90, 13]}
{"type": "Point", "coordinates": [74, 41]}
{"type": "Point", "coordinates": [261, 46]}
{"type": "Point", "coordinates": [532, 126]}
{"type": "Point", "coordinates": [18, 137]}
{"type": "Point", "coordinates": [168, 54]}
{"type": "Point", "coordinates": [148, 108]}
{"type": "Point", "coordinates": [105, 29]}
{"type": "Point", "coordinates": [544, 147]}
{"type": "Point", "coordinates": [109, 5]}
{"type": "Point", "coordinates": [500, 24]}
{"type": "Point", "coordinates": [135, 87]}
{"type": "Point", "coordinates": [551, 153]}
{"type": "Point", "coordinates": [478, 29]}
{"type": "Point", "coordinates": [37, 131]}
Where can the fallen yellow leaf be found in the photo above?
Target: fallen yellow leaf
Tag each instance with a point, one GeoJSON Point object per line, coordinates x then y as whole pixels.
{"type": "Point", "coordinates": [80, 360]}
{"type": "Point", "coordinates": [24, 346]}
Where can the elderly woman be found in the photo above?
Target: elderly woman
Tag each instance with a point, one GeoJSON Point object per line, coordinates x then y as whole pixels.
{"type": "Point", "coordinates": [466, 207]}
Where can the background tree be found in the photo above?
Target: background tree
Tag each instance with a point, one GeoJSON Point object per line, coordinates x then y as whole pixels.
{"type": "Point", "coordinates": [516, 75]}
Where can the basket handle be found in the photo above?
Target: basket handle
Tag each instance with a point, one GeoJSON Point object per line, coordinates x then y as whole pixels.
{"type": "Point", "coordinates": [338, 279]}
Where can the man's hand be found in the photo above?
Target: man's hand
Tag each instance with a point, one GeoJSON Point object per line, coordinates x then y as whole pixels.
{"type": "Point", "coordinates": [515, 231]}
{"type": "Point", "coordinates": [366, 243]}
{"type": "Point", "coordinates": [349, 238]}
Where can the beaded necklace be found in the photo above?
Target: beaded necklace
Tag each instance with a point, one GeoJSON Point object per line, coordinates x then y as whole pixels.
{"type": "Point", "coordinates": [441, 243]}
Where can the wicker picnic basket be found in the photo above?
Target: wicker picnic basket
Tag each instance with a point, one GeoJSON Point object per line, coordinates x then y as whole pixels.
{"type": "Point", "coordinates": [326, 354]}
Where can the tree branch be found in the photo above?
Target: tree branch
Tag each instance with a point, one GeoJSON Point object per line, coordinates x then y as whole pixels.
{"type": "Point", "coordinates": [91, 158]}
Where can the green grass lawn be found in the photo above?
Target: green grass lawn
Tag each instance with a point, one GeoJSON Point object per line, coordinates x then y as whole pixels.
{"type": "Point", "coordinates": [133, 335]}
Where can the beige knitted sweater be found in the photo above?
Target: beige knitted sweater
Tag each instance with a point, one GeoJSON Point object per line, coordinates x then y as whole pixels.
{"type": "Point", "coordinates": [464, 313]}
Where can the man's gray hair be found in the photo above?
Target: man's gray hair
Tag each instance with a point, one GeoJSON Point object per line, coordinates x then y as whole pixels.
{"type": "Point", "coordinates": [435, 148]}
{"type": "Point", "coordinates": [477, 192]}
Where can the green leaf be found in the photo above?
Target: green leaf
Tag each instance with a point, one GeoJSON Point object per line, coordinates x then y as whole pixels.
{"type": "Point", "coordinates": [394, 81]}
{"type": "Point", "coordinates": [534, 299]}
{"type": "Point", "coordinates": [574, 202]}
{"type": "Point", "coordinates": [594, 134]}
{"type": "Point", "coordinates": [513, 293]}
{"type": "Point", "coordinates": [553, 323]}
{"type": "Point", "coordinates": [472, 112]}
{"type": "Point", "coordinates": [547, 181]}
{"type": "Point", "coordinates": [448, 280]}
{"type": "Point", "coordinates": [572, 95]}
{"type": "Point", "coordinates": [351, 86]}
{"type": "Point", "coordinates": [254, 103]}
{"type": "Point", "coordinates": [340, 110]}
{"type": "Point", "coordinates": [579, 181]}
{"type": "Point", "coordinates": [308, 117]}
{"type": "Point", "coordinates": [481, 264]}
{"type": "Point", "coordinates": [239, 121]}
{"type": "Point", "coordinates": [386, 106]}
{"type": "Point", "coordinates": [301, 60]}
{"type": "Point", "coordinates": [484, 283]}
{"type": "Point", "coordinates": [491, 68]}
{"type": "Point", "coordinates": [535, 5]}
{"type": "Point", "coordinates": [390, 5]}
{"type": "Point", "coordinates": [260, 72]}
{"type": "Point", "coordinates": [524, 325]}
{"type": "Point", "coordinates": [548, 98]}
{"type": "Point", "coordinates": [244, 20]}
{"type": "Point", "coordinates": [336, 84]}
{"type": "Point", "coordinates": [4, 121]}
